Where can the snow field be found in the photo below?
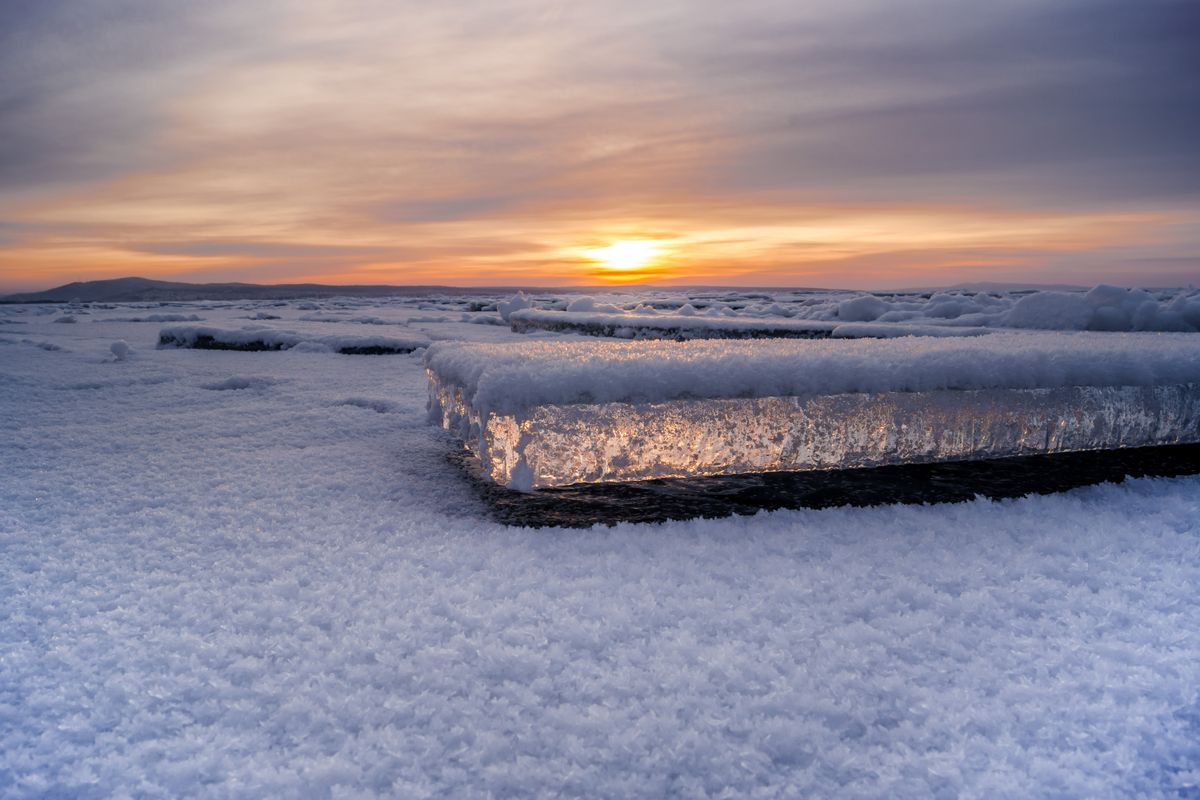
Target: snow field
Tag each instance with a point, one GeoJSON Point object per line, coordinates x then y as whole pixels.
{"type": "Point", "coordinates": [234, 574]}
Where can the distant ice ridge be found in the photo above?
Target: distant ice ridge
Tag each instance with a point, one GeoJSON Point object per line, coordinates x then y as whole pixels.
{"type": "Point", "coordinates": [552, 414]}
{"type": "Point", "coordinates": [667, 326]}
{"type": "Point", "coordinates": [206, 338]}
{"type": "Point", "coordinates": [782, 313]}
{"type": "Point", "coordinates": [685, 324]}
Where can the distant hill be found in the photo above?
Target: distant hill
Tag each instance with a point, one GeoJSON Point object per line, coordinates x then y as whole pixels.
{"type": "Point", "coordinates": [142, 290]}
{"type": "Point", "coordinates": [135, 290]}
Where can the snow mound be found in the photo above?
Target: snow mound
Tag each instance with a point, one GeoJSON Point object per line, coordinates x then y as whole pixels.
{"type": "Point", "coordinates": [862, 309]}
{"type": "Point", "coordinates": [515, 303]}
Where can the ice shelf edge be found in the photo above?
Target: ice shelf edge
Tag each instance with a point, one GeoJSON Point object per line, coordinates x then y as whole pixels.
{"type": "Point", "coordinates": [559, 445]}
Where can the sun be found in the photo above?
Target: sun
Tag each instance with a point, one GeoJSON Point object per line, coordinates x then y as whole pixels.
{"type": "Point", "coordinates": [627, 255]}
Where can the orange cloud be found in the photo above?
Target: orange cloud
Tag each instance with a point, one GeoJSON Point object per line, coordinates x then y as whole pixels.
{"type": "Point", "coordinates": [428, 148]}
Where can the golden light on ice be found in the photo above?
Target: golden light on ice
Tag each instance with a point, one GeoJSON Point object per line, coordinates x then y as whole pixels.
{"type": "Point", "coordinates": [625, 256]}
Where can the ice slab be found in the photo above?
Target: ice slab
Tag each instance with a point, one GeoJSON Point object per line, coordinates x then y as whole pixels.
{"type": "Point", "coordinates": [556, 413]}
{"type": "Point", "coordinates": [255, 339]}
{"type": "Point", "coordinates": [554, 445]}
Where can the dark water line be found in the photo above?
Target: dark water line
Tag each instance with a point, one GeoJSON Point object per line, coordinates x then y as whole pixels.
{"type": "Point", "coordinates": [687, 498]}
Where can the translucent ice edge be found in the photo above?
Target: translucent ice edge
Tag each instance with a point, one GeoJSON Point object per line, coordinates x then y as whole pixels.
{"type": "Point", "coordinates": [559, 445]}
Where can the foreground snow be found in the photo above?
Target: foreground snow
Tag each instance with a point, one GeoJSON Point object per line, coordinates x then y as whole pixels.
{"type": "Point", "coordinates": [232, 574]}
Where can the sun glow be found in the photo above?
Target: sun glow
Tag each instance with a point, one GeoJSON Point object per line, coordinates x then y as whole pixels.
{"type": "Point", "coordinates": [625, 256]}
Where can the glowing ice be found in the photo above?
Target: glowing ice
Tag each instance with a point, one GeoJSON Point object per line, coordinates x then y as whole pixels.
{"type": "Point", "coordinates": [531, 432]}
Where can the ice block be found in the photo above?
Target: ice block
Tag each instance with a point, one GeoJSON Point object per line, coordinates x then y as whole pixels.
{"type": "Point", "coordinates": [559, 413]}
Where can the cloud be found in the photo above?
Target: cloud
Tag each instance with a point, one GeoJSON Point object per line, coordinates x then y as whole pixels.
{"type": "Point", "coordinates": [1082, 101]}
{"type": "Point", "coordinates": [328, 133]}
{"type": "Point", "coordinates": [89, 84]}
{"type": "Point", "coordinates": [441, 210]}
{"type": "Point", "coordinates": [250, 249]}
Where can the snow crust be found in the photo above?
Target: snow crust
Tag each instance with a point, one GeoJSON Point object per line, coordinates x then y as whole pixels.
{"type": "Point", "coordinates": [508, 378]}
{"type": "Point", "coordinates": [285, 590]}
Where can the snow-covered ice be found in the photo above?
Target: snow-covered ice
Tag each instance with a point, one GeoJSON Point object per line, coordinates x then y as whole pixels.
{"type": "Point", "coordinates": [507, 377]}
{"type": "Point", "coordinates": [556, 413]}
{"type": "Point", "coordinates": [283, 588]}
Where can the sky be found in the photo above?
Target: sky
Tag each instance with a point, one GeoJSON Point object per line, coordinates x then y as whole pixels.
{"type": "Point", "coordinates": [829, 143]}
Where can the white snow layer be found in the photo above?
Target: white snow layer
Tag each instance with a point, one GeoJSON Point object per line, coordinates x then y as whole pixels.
{"type": "Point", "coordinates": [506, 378]}
{"type": "Point", "coordinates": [287, 591]}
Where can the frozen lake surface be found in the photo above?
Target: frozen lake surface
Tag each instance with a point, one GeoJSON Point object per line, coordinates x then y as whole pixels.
{"type": "Point", "coordinates": [248, 574]}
